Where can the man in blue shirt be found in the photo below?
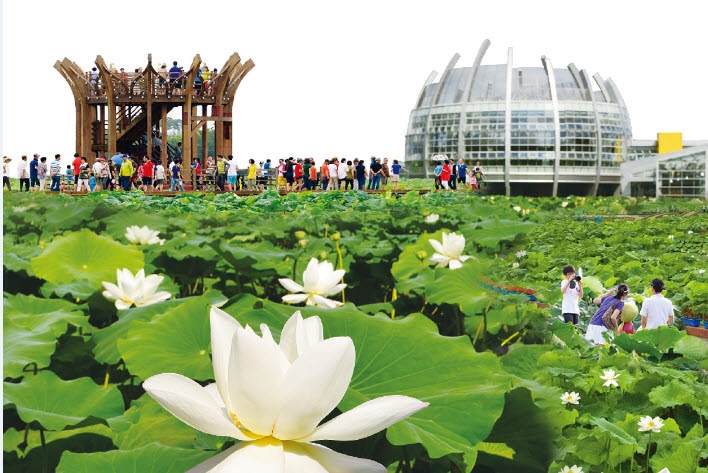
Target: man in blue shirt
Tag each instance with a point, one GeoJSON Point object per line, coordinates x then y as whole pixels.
{"type": "Point", "coordinates": [175, 73]}
{"type": "Point", "coordinates": [34, 178]}
{"type": "Point", "coordinates": [117, 160]}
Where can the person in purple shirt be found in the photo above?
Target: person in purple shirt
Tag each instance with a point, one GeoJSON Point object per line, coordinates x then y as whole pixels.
{"type": "Point", "coordinates": [612, 297]}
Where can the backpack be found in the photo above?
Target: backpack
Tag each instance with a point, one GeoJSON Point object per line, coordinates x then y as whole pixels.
{"type": "Point", "coordinates": [608, 321]}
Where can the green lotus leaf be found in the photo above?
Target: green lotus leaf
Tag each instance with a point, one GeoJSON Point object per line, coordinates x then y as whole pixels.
{"type": "Point", "coordinates": [655, 342]}
{"type": "Point", "coordinates": [22, 347]}
{"type": "Point", "coordinates": [152, 458]}
{"type": "Point", "coordinates": [490, 232]}
{"type": "Point", "coordinates": [460, 287]}
{"type": "Point", "coordinates": [41, 315]}
{"type": "Point", "coordinates": [16, 257]}
{"type": "Point", "coordinates": [176, 341]}
{"type": "Point", "coordinates": [55, 404]}
{"type": "Point", "coordinates": [85, 255]}
{"type": "Point", "coordinates": [412, 271]}
{"type": "Point", "coordinates": [679, 392]}
{"type": "Point", "coordinates": [146, 421]}
{"type": "Point", "coordinates": [692, 347]}
{"type": "Point", "coordinates": [106, 339]}
{"type": "Point", "coordinates": [13, 440]}
{"type": "Point", "coordinates": [465, 388]}
{"type": "Point", "coordinates": [80, 290]}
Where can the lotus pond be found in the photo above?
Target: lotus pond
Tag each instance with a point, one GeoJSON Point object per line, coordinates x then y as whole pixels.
{"type": "Point", "coordinates": [510, 387]}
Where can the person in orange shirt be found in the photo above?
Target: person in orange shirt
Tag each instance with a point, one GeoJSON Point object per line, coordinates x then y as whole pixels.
{"type": "Point", "coordinates": [324, 175]}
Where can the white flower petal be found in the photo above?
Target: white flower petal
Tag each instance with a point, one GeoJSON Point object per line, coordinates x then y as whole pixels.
{"type": "Point", "coordinates": [315, 383]}
{"type": "Point", "coordinates": [437, 246]}
{"type": "Point", "coordinates": [206, 466]}
{"type": "Point", "coordinates": [191, 404]}
{"type": "Point", "coordinates": [309, 333]}
{"type": "Point", "coordinates": [334, 290]}
{"type": "Point", "coordinates": [122, 305]}
{"type": "Point", "coordinates": [334, 462]}
{"type": "Point", "coordinates": [255, 379]}
{"type": "Point", "coordinates": [323, 302]}
{"type": "Point", "coordinates": [442, 260]}
{"type": "Point", "coordinates": [223, 328]}
{"type": "Point", "coordinates": [329, 280]}
{"type": "Point", "coordinates": [465, 257]}
{"type": "Point", "coordinates": [261, 456]}
{"type": "Point", "coordinates": [298, 460]}
{"type": "Point", "coordinates": [311, 275]}
{"type": "Point", "coordinates": [288, 337]}
{"type": "Point", "coordinates": [112, 291]}
{"type": "Point", "coordinates": [455, 264]}
{"type": "Point", "coordinates": [454, 244]}
{"type": "Point", "coordinates": [291, 285]}
{"type": "Point", "coordinates": [153, 299]}
{"type": "Point", "coordinates": [367, 419]}
{"type": "Point", "coordinates": [295, 298]}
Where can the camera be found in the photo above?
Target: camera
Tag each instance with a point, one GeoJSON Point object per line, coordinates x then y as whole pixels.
{"type": "Point", "coordinates": [573, 282]}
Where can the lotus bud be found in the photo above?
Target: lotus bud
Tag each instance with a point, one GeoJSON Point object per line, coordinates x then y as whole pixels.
{"type": "Point", "coordinates": [300, 235]}
{"type": "Point", "coordinates": [335, 236]}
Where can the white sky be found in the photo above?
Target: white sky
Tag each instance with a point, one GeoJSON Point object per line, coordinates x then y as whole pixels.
{"type": "Point", "coordinates": [335, 78]}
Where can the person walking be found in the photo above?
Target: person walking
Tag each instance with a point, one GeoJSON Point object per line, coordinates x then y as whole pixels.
{"type": "Point", "coordinates": [176, 177]}
{"type": "Point", "coordinates": [657, 311]}
{"type": "Point", "coordinates": [6, 173]}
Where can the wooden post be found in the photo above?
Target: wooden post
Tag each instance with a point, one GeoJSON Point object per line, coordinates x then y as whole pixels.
{"type": "Point", "coordinates": [205, 136]}
{"type": "Point", "coordinates": [163, 155]}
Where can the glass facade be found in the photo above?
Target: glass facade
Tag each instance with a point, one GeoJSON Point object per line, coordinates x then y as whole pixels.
{"type": "Point", "coordinates": [683, 176]}
{"type": "Point", "coordinates": [468, 119]}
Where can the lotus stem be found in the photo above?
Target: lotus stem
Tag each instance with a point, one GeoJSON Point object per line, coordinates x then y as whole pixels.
{"type": "Point", "coordinates": [107, 377]}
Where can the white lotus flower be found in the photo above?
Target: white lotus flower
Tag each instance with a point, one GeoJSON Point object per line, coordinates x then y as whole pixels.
{"type": "Point", "coordinates": [138, 289]}
{"type": "Point", "coordinates": [319, 279]}
{"type": "Point", "coordinates": [572, 398]}
{"type": "Point", "coordinates": [520, 254]}
{"type": "Point", "coordinates": [690, 232]}
{"type": "Point", "coordinates": [143, 236]}
{"type": "Point", "coordinates": [671, 237]}
{"type": "Point", "coordinates": [515, 264]}
{"type": "Point", "coordinates": [610, 378]}
{"type": "Point", "coordinates": [701, 271]}
{"type": "Point", "coordinates": [449, 252]}
{"type": "Point", "coordinates": [647, 423]}
{"type": "Point", "coordinates": [564, 204]}
{"type": "Point", "coordinates": [432, 218]}
{"type": "Point", "coordinates": [572, 469]}
{"type": "Point", "coordinates": [517, 208]}
{"type": "Point", "coordinates": [272, 397]}
{"type": "Point", "coordinates": [664, 470]}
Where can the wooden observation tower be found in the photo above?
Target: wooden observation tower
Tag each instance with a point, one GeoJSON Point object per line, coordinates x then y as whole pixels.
{"type": "Point", "coordinates": [118, 111]}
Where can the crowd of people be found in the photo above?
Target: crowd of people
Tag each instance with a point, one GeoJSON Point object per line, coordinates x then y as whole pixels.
{"type": "Point", "coordinates": [175, 76]}
{"type": "Point", "coordinates": [122, 171]}
{"type": "Point", "coordinates": [448, 174]}
{"type": "Point", "coordinates": [656, 311]}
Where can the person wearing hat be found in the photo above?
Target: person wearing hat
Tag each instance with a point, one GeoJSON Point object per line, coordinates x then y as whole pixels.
{"type": "Point", "coordinates": [33, 168]}
{"type": "Point", "coordinates": [657, 310]}
{"type": "Point", "coordinates": [55, 173]}
{"type": "Point", "coordinates": [6, 173]}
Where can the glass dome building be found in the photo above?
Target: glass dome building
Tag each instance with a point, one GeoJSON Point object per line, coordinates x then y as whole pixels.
{"type": "Point", "coordinates": [534, 130]}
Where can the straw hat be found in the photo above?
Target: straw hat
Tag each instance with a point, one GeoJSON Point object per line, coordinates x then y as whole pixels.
{"type": "Point", "coordinates": [6, 159]}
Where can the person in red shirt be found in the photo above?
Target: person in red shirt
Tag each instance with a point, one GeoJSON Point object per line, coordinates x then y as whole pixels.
{"type": "Point", "coordinates": [445, 175]}
{"type": "Point", "coordinates": [298, 174]}
{"type": "Point", "coordinates": [147, 167]}
{"type": "Point", "coordinates": [76, 164]}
